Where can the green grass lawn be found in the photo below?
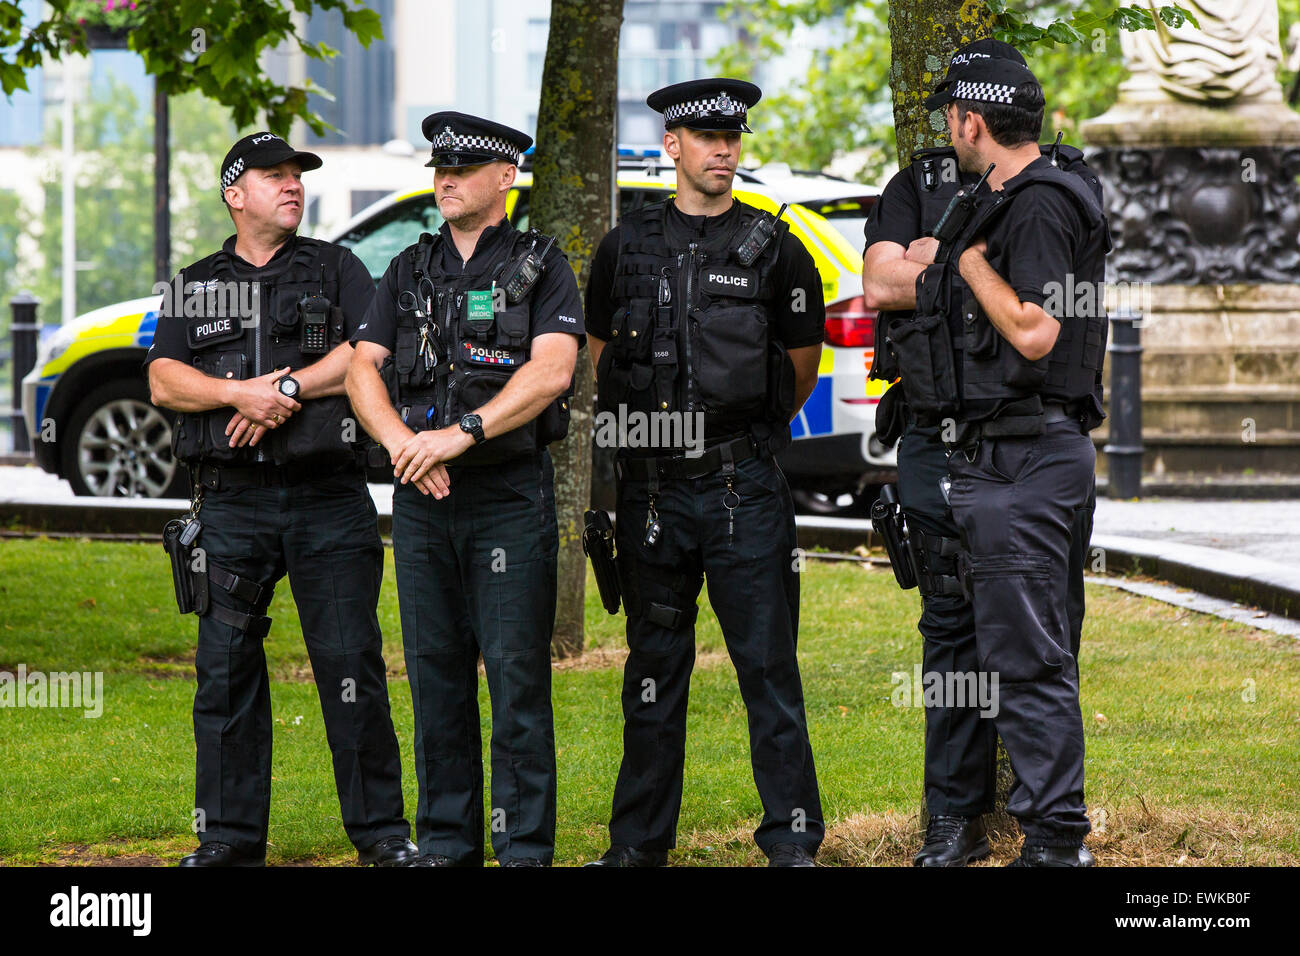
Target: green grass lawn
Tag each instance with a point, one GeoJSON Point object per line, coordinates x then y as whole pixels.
{"type": "Point", "coordinates": [1193, 725]}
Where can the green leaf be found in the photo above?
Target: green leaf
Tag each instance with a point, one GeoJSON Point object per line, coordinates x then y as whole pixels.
{"type": "Point", "coordinates": [999, 7]}
{"type": "Point", "coordinates": [364, 24]}
{"type": "Point", "coordinates": [1064, 33]}
{"type": "Point", "coordinates": [1176, 16]}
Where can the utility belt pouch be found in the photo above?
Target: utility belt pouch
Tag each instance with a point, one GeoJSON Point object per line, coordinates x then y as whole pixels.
{"type": "Point", "coordinates": [190, 585]}
{"type": "Point", "coordinates": [923, 347]}
{"type": "Point", "coordinates": [887, 519]}
{"type": "Point", "coordinates": [598, 545]}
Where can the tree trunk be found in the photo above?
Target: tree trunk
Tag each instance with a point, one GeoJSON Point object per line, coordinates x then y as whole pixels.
{"type": "Point", "coordinates": [571, 200]}
{"type": "Point", "coordinates": [923, 35]}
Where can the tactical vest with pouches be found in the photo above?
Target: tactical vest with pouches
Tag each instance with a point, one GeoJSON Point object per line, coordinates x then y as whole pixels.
{"type": "Point", "coordinates": [463, 341]}
{"type": "Point", "coordinates": [690, 329]}
{"type": "Point", "coordinates": [242, 347]}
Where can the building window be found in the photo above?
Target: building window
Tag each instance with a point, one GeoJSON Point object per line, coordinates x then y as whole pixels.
{"type": "Point", "coordinates": [360, 78]}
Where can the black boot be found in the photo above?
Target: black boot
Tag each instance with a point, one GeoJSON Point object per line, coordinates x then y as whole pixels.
{"type": "Point", "coordinates": [222, 854]}
{"type": "Point", "coordinates": [953, 841]}
{"type": "Point", "coordinates": [620, 855]}
{"type": "Point", "coordinates": [790, 854]}
{"type": "Point", "coordinates": [390, 851]}
{"type": "Point", "coordinates": [1031, 855]}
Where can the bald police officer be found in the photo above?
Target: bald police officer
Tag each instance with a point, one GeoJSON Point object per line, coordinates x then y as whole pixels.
{"type": "Point", "coordinates": [478, 328]}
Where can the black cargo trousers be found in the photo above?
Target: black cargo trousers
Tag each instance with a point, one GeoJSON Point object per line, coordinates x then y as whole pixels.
{"type": "Point", "coordinates": [1016, 501]}
{"type": "Point", "coordinates": [476, 574]}
{"type": "Point", "coordinates": [961, 745]}
{"type": "Point", "coordinates": [323, 533]}
{"type": "Point", "coordinates": [753, 580]}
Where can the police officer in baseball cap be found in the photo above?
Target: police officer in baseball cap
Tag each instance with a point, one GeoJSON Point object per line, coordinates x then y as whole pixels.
{"type": "Point", "coordinates": [960, 744]}
{"type": "Point", "coordinates": [252, 357]}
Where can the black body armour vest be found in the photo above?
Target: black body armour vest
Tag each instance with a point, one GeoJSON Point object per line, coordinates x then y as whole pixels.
{"type": "Point", "coordinates": [936, 177]}
{"type": "Point", "coordinates": [462, 340]}
{"type": "Point", "coordinates": [690, 329]}
{"type": "Point", "coordinates": [953, 362]}
{"type": "Point", "coordinates": [235, 333]}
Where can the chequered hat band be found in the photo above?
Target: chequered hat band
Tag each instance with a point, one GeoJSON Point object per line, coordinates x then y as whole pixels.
{"type": "Point", "coordinates": [233, 172]}
{"type": "Point", "coordinates": [723, 105]}
{"type": "Point", "coordinates": [449, 142]}
{"type": "Point", "coordinates": [982, 92]}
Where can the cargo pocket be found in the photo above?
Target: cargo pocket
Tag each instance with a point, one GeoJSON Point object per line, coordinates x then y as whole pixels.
{"type": "Point", "coordinates": [732, 364]}
{"type": "Point", "coordinates": [1025, 642]}
{"type": "Point", "coordinates": [476, 391]}
{"type": "Point", "coordinates": [923, 346]}
{"type": "Point", "coordinates": [631, 330]}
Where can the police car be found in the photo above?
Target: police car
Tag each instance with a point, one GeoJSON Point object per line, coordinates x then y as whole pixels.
{"type": "Point", "coordinates": [87, 396]}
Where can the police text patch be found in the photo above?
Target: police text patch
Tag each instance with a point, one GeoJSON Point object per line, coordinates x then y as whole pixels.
{"type": "Point", "coordinates": [729, 281]}
{"type": "Point", "coordinates": [483, 355]}
{"type": "Point", "coordinates": [205, 332]}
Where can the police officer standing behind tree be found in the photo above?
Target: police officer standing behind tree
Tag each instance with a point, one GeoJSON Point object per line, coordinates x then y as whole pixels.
{"type": "Point", "coordinates": [960, 743]}
{"type": "Point", "coordinates": [1017, 373]}
{"type": "Point", "coordinates": [483, 324]}
{"type": "Point", "coordinates": [268, 435]}
{"type": "Point", "coordinates": [706, 306]}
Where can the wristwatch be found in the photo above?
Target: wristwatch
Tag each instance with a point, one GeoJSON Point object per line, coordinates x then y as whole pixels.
{"type": "Point", "coordinates": [288, 387]}
{"type": "Point", "coordinates": [471, 424]}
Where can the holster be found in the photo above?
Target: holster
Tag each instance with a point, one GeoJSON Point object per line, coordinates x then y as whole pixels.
{"type": "Point", "coordinates": [887, 519]}
{"type": "Point", "coordinates": [191, 586]}
{"type": "Point", "coordinates": [598, 545]}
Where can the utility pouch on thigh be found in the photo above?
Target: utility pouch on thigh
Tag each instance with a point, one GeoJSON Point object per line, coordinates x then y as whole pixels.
{"type": "Point", "coordinates": [191, 586]}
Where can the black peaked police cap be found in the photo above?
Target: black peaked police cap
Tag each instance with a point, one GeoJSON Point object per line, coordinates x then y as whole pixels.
{"type": "Point", "coordinates": [709, 104]}
{"type": "Point", "coordinates": [462, 140]}
{"type": "Point", "coordinates": [261, 151]}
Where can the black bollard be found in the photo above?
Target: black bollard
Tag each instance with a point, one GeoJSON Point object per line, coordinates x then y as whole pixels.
{"type": "Point", "coordinates": [1124, 450]}
{"type": "Point", "coordinates": [24, 330]}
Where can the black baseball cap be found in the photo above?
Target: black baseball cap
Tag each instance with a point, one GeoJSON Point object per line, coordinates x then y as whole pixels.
{"type": "Point", "coordinates": [971, 62]}
{"type": "Point", "coordinates": [709, 104]}
{"type": "Point", "coordinates": [983, 80]}
{"type": "Point", "coordinates": [260, 151]}
{"type": "Point", "coordinates": [462, 140]}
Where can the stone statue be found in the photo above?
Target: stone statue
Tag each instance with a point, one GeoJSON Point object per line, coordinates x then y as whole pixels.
{"type": "Point", "coordinates": [1232, 58]}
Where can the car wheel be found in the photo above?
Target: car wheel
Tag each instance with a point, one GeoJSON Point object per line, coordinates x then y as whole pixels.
{"type": "Point", "coordinates": [832, 504]}
{"type": "Point", "coordinates": [118, 445]}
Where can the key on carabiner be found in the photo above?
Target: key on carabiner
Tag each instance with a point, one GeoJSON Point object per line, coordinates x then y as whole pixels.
{"type": "Point", "coordinates": [730, 501]}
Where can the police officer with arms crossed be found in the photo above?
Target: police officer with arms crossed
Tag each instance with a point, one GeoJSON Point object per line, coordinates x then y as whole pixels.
{"type": "Point", "coordinates": [706, 306]}
{"type": "Point", "coordinates": [267, 433]}
{"type": "Point", "coordinates": [960, 744]}
{"type": "Point", "coordinates": [477, 328]}
{"type": "Point", "coordinates": [1023, 387]}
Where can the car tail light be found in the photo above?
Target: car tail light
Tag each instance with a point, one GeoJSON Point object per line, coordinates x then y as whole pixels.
{"type": "Point", "coordinates": [850, 324]}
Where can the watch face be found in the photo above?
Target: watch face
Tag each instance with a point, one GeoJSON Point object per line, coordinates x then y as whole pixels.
{"type": "Point", "coordinates": [288, 387]}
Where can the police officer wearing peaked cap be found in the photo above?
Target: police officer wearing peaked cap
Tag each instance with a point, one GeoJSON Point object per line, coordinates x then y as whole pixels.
{"type": "Point", "coordinates": [476, 329]}
{"type": "Point", "coordinates": [252, 359]}
{"type": "Point", "coordinates": [707, 307]}
{"type": "Point", "coordinates": [1019, 376]}
{"type": "Point", "coordinates": [960, 744]}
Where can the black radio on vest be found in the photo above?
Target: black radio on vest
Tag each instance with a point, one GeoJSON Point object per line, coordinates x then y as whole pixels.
{"type": "Point", "coordinates": [313, 310]}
